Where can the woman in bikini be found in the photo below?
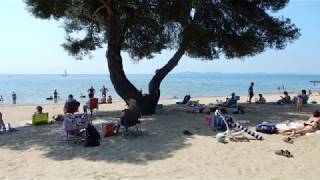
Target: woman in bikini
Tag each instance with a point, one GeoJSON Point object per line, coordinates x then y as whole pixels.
{"type": "Point", "coordinates": [311, 125]}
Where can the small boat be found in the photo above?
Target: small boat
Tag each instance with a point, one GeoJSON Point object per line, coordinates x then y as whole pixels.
{"type": "Point", "coordinates": [65, 74]}
{"type": "Point", "coordinates": [82, 96]}
{"type": "Point", "coordinates": [49, 98]}
{"type": "Point", "coordinates": [314, 82]}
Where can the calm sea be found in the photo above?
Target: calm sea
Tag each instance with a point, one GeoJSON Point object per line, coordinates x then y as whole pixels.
{"type": "Point", "coordinates": [32, 89]}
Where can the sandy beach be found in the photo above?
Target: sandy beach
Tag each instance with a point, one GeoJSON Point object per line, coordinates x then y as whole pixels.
{"type": "Point", "coordinates": [163, 151]}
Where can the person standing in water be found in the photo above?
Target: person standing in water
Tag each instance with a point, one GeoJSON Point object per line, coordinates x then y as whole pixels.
{"type": "Point", "coordinates": [91, 91]}
{"type": "Point", "coordinates": [104, 91]}
{"type": "Point", "coordinates": [55, 96]}
{"type": "Point", "coordinates": [14, 97]}
{"type": "Point", "coordinates": [250, 92]}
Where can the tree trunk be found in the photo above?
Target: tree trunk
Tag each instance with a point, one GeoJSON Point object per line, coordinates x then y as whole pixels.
{"type": "Point", "coordinates": [154, 85]}
{"type": "Point", "coordinates": [122, 85]}
{"type": "Point", "coordinates": [126, 90]}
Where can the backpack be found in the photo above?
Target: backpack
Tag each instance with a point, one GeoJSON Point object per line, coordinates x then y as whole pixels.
{"type": "Point", "coordinates": [93, 136]}
{"type": "Point", "coordinates": [267, 128]}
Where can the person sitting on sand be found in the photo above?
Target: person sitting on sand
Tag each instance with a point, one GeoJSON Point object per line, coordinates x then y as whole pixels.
{"type": "Point", "coordinates": [311, 125]}
{"type": "Point", "coordinates": [109, 100]}
{"type": "Point", "coordinates": [71, 103]}
{"type": "Point", "coordinates": [261, 100]}
{"type": "Point", "coordinates": [39, 110]}
{"type": "Point", "coordinates": [303, 96]}
{"type": "Point", "coordinates": [2, 125]}
{"type": "Point", "coordinates": [286, 99]}
{"type": "Point", "coordinates": [231, 101]}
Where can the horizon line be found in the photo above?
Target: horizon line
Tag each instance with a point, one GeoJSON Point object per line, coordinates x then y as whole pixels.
{"type": "Point", "coordinates": [186, 72]}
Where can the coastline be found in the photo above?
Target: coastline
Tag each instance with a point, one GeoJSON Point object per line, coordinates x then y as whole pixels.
{"type": "Point", "coordinates": [25, 111]}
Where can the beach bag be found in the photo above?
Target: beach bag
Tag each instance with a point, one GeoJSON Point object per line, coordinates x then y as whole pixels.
{"type": "Point", "coordinates": [267, 128]}
{"type": "Point", "coordinates": [93, 136]}
{"type": "Point", "coordinates": [109, 129]}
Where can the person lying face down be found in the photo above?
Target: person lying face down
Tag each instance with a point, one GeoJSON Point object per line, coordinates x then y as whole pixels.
{"type": "Point", "coordinates": [311, 125]}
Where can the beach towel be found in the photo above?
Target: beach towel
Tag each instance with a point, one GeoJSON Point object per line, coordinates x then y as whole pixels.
{"type": "Point", "coordinates": [7, 128]}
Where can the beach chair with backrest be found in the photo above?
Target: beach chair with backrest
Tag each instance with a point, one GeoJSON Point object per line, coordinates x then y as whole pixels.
{"type": "Point", "coordinates": [38, 119]}
{"type": "Point", "coordinates": [130, 119]}
{"type": "Point", "coordinates": [185, 100]}
{"type": "Point", "coordinates": [232, 127]}
{"type": "Point", "coordinates": [74, 126]}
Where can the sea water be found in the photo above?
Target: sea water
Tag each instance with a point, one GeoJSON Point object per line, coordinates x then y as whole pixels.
{"type": "Point", "coordinates": [34, 89]}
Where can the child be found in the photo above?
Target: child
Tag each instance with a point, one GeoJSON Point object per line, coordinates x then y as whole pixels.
{"type": "Point", "coordinates": [109, 101]}
{"type": "Point", "coordinates": [39, 110]}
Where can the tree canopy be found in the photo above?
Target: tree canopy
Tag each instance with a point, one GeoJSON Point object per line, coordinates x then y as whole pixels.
{"type": "Point", "coordinates": [202, 29]}
{"type": "Point", "coordinates": [230, 27]}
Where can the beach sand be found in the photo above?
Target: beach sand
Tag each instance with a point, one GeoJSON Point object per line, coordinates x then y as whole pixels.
{"type": "Point", "coordinates": [163, 151]}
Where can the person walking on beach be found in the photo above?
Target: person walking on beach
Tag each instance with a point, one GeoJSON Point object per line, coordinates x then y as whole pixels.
{"type": "Point", "coordinates": [250, 92]}
{"type": "Point", "coordinates": [55, 96]}
{"type": "Point", "coordinates": [91, 91]}
{"type": "Point", "coordinates": [1, 99]}
{"type": "Point", "coordinates": [14, 97]}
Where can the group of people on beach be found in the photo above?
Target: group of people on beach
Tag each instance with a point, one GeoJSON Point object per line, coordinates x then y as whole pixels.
{"type": "Point", "coordinates": [14, 98]}
{"type": "Point", "coordinates": [104, 91]}
{"type": "Point", "coordinates": [91, 92]}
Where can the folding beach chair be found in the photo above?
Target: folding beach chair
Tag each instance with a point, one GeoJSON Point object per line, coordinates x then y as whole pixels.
{"type": "Point", "coordinates": [233, 128]}
{"type": "Point", "coordinates": [185, 100]}
{"type": "Point", "coordinates": [74, 126]}
{"type": "Point", "coordinates": [130, 120]}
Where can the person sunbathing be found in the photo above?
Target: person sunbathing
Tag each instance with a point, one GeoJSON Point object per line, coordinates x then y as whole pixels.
{"type": "Point", "coordinates": [311, 125]}
{"type": "Point", "coordinates": [203, 109]}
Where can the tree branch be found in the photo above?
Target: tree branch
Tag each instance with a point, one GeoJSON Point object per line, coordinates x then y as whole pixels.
{"type": "Point", "coordinates": [161, 73]}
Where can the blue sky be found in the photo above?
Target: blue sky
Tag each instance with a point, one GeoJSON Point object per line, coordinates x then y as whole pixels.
{"type": "Point", "coordinates": [32, 46]}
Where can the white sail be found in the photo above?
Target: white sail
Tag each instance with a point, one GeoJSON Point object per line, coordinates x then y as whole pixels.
{"type": "Point", "coordinates": [65, 73]}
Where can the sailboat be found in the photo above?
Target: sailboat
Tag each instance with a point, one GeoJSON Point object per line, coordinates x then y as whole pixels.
{"type": "Point", "coordinates": [65, 74]}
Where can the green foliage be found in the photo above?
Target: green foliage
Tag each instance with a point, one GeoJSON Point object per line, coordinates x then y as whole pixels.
{"type": "Point", "coordinates": [235, 28]}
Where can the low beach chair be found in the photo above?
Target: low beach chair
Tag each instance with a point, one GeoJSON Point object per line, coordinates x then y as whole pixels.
{"type": "Point", "coordinates": [74, 125]}
{"type": "Point", "coordinates": [38, 119]}
{"type": "Point", "coordinates": [185, 100]}
{"type": "Point", "coordinates": [130, 120]}
{"type": "Point", "coordinates": [233, 128]}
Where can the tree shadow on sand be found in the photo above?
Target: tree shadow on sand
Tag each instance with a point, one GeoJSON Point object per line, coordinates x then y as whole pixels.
{"type": "Point", "coordinates": [162, 135]}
